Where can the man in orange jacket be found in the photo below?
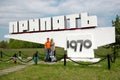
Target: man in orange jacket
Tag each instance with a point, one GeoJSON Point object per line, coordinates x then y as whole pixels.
{"type": "Point", "coordinates": [47, 48]}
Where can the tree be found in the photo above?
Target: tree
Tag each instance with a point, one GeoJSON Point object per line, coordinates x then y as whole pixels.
{"type": "Point", "coordinates": [3, 44]}
{"type": "Point", "coordinates": [116, 24]}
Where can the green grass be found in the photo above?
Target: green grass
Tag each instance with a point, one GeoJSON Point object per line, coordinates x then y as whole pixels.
{"type": "Point", "coordinates": [30, 51]}
{"type": "Point", "coordinates": [60, 72]}
{"type": "Point", "coordinates": [71, 71]}
{"type": "Point", "coordinates": [27, 53]}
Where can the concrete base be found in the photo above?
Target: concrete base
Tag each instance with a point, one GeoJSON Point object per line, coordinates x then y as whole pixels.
{"type": "Point", "coordinates": [83, 59]}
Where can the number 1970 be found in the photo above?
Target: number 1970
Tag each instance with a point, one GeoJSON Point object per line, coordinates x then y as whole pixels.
{"type": "Point", "coordinates": [83, 43]}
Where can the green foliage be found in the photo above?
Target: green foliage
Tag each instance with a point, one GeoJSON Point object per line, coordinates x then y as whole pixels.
{"type": "Point", "coordinates": [23, 44]}
{"type": "Point", "coordinates": [3, 44]}
{"type": "Point", "coordinates": [19, 44]}
{"type": "Point", "coordinates": [116, 23]}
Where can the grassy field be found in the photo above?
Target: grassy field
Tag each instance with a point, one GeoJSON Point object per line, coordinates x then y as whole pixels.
{"type": "Point", "coordinates": [7, 53]}
{"type": "Point", "coordinates": [72, 71]}
{"type": "Point", "coordinates": [60, 72]}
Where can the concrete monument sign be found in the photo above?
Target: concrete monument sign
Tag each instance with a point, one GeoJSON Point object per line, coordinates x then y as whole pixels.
{"type": "Point", "coordinates": [76, 33]}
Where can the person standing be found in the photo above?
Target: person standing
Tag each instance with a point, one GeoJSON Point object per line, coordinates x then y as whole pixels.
{"type": "Point", "coordinates": [35, 57]}
{"type": "Point", "coordinates": [19, 54]}
{"type": "Point", "coordinates": [15, 58]}
{"type": "Point", "coordinates": [47, 48]}
{"type": "Point", "coordinates": [52, 48]}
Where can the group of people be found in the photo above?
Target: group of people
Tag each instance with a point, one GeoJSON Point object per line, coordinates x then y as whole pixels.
{"type": "Point", "coordinates": [50, 50]}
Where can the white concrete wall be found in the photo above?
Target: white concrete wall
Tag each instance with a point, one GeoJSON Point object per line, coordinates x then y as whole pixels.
{"type": "Point", "coordinates": [45, 23]}
{"type": "Point", "coordinates": [53, 23]}
{"type": "Point", "coordinates": [58, 22]}
{"type": "Point", "coordinates": [77, 46]}
{"type": "Point", "coordinates": [102, 36]}
{"type": "Point", "coordinates": [34, 25]}
{"type": "Point", "coordinates": [72, 19]}
{"type": "Point", "coordinates": [23, 25]}
{"type": "Point", "coordinates": [99, 36]}
{"type": "Point", "coordinates": [87, 21]}
{"type": "Point", "coordinates": [13, 27]}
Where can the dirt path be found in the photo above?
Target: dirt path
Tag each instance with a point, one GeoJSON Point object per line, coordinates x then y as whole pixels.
{"type": "Point", "coordinates": [19, 67]}
{"type": "Point", "coordinates": [11, 69]}
{"type": "Point", "coordinates": [14, 68]}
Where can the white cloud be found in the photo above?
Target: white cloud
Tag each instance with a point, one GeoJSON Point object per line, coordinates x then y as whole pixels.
{"type": "Point", "coordinates": [14, 10]}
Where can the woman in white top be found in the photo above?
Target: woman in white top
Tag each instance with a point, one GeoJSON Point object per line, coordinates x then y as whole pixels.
{"type": "Point", "coordinates": [52, 48]}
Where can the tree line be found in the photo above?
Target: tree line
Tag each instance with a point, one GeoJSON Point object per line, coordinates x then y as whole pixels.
{"type": "Point", "coordinates": [116, 24]}
{"type": "Point", "coordinates": [12, 43]}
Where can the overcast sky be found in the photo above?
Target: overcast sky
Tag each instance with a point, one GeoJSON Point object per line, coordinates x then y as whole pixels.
{"type": "Point", "coordinates": [16, 10]}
